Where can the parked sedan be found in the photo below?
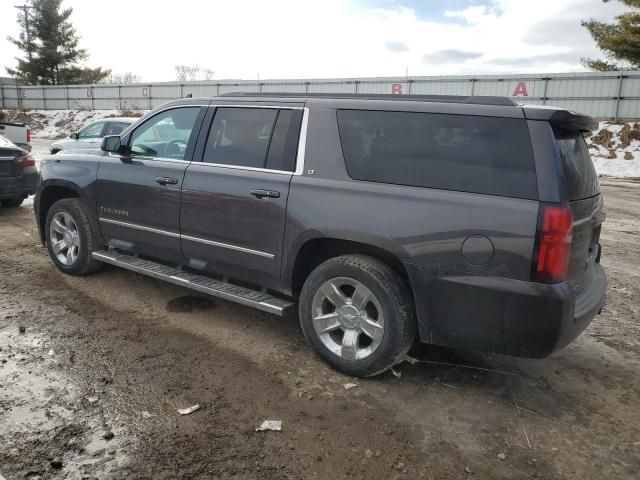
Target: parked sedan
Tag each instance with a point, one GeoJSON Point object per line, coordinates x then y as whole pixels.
{"type": "Point", "coordinates": [90, 136]}
{"type": "Point", "coordinates": [18, 174]}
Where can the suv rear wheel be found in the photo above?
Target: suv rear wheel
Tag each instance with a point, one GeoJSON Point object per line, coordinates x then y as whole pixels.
{"type": "Point", "coordinates": [357, 312]}
{"type": "Point", "coordinates": [70, 239]}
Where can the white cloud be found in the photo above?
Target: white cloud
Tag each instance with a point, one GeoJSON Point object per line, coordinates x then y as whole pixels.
{"type": "Point", "coordinates": [293, 39]}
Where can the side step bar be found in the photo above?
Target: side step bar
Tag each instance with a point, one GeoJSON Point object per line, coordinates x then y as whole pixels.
{"type": "Point", "coordinates": [227, 291]}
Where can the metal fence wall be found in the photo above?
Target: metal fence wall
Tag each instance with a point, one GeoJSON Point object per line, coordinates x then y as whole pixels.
{"type": "Point", "coordinates": [606, 95]}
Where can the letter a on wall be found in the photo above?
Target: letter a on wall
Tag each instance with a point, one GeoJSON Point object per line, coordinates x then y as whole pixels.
{"type": "Point", "coordinates": [521, 89]}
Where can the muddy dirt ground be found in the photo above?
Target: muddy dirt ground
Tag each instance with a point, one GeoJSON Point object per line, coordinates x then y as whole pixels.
{"type": "Point", "coordinates": [92, 386]}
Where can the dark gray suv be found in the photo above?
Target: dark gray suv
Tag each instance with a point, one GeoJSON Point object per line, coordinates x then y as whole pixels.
{"type": "Point", "coordinates": [470, 222]}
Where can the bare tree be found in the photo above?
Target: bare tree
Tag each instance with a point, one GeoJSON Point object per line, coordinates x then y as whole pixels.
{"type": "Point", "coordinates": [192, 73]}
{"type": "Point", "coordinates": [126, 77]}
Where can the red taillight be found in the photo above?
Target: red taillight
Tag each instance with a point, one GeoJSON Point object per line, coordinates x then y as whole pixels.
{"type": "Point", "coordinates": [26, 161]}
{"type": "Point", "coordinates": [28, 136]}
{"type": "Point", "coordinates": [554, 243]}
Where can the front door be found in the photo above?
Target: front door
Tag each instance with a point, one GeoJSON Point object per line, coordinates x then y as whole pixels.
{"type": "Point", "coordinates": [234, 201]}
{"type": "Point", "coordinates": [138, 195]}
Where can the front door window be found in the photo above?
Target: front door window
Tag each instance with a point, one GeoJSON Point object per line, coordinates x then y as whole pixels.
{"type": "Point", "coordinates": [165, 135]}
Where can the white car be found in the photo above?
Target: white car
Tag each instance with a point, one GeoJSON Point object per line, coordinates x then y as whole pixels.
{"type": "Point", "coordinates": [90, 136]}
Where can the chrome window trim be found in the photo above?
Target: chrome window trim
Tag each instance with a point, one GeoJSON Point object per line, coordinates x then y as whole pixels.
{"type": "Point", "coordinates": [240, 167]}
{"type": "Point", "coordinates": [302, 143]}
{"type": "Point", "coordinates": [155, 159]}
{"type": "Point", "coordinates": [187, 237]}
{"type": "Point", "coordinates": [247, 105]}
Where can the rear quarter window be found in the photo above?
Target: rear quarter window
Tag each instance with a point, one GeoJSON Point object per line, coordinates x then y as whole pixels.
{"type": "Point", "coordinates": [485, 155]}
{"type": "Point", "coordinates": [580, 178]}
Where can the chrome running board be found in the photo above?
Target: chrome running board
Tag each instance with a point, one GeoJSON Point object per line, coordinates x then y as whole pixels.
{"type": "Point", "coordinates": [227, 291]}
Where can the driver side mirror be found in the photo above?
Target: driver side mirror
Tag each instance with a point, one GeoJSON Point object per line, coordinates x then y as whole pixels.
{"type": "Point", "coordinates": [111, 143]}
{"type": "Point", "coordinates": [74, 135]}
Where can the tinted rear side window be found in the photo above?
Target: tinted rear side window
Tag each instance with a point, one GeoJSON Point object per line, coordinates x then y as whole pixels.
{"type": "Point", "coordinates": [453, 152]}
{"type": "Point", "coordinates": [580, 176]}
{"type": "Point", "coordinates": [240, 136]}
{"type": "Point", "coordinates": [284, 141]}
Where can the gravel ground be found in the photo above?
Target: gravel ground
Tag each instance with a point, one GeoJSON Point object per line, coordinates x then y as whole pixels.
{"type": "Point", "coordinates": [92, 386]}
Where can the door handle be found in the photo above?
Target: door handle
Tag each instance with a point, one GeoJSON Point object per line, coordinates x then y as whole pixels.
{"type": "Point", "coordinates": [260, 193]}
{"type": "Point", "coordinates": [166, 181]}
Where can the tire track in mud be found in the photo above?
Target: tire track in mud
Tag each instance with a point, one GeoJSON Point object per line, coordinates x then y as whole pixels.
{"type": "Point", "coordinates": [134, 363]}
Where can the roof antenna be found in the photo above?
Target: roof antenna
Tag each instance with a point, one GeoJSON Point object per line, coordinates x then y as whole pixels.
{"type": "Point", "coordinates": [189, 95]}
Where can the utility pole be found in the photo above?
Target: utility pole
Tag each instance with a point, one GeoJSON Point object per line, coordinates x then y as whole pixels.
{"type": "Point", "coordinates": [25, 9]}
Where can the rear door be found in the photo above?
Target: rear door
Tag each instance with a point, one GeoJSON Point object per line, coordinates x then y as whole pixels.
{"type": "Point", "coordinates": [234, 201]}
{"type": "Point", "coordinates": [138, 195]}
{"type": "Point", "coordinates": [585, 200]}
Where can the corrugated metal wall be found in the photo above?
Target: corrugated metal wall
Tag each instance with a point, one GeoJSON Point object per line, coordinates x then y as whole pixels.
{"type": "Point", "coordinates": [604, 95]}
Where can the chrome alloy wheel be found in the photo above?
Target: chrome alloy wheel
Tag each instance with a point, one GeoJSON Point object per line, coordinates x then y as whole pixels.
{"type": "Point", "coordinates": [64, 238]}
{"type": "Point", "coordinates": [347, 318]}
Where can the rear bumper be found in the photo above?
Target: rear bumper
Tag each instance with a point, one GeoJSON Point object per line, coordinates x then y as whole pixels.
{"type": "Point", "coordinates": [501, 315]}
{"type": "Point", "coordinates": [22, 186]}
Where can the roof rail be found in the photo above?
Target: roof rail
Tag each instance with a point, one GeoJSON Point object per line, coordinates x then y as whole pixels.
{"type": "Point", "coordinates": [475, 100]}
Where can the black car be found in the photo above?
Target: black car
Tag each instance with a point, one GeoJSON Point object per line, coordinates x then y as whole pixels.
{"type": "Point", "coordinates": [18, 174]}
{"type": "Point", "coordinates": [470, 222]}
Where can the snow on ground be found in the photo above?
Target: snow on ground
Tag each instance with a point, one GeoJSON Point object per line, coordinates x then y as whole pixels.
{"type": "Point", "coordinates": [54, 124]}
{"type": "Point", "coordinates": [59, 122]}
{"type": "Point", "coordinates": [614, 147]}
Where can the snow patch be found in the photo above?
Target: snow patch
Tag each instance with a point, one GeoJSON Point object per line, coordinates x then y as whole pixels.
{"type": "Point", "coordinates": [614, 159]}
{"type": "Point", "coordinates": [54, 124]}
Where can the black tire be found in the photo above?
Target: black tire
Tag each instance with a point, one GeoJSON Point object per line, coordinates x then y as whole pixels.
{"type": "Point", "coordinates": [394, 297]}
{"type": "Point", "coordinates": [12, 202]}
{"type": "Point", "coordinates": [84, 263]}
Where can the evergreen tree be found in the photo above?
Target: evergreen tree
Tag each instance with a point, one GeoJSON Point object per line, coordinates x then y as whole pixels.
{"type": "Point", "coordinates": [52, 49]}
{"type": "Point", "coordinates": [619, 41]}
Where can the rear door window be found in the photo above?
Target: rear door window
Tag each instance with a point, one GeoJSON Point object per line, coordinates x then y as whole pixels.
{"type": "Point", "coordinates": [581, 180]}
{"type": "Point", "coordinates": [254, 137]}
{"type": "Point", "coordinates": [454, 152]}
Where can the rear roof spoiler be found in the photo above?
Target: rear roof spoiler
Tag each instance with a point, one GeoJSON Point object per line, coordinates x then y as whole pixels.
{"type": "Point", "coordinates": [561, 118]}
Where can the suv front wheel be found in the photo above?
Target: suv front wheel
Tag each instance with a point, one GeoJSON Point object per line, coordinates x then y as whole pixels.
{"type": "Point", "coordinates": [357, 312]}
{"type": "Point", "coordinates": [70, 238]}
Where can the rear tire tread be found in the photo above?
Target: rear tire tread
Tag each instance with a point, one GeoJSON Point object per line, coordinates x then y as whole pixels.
{"type": "Point", "coordinates": [401, 303]}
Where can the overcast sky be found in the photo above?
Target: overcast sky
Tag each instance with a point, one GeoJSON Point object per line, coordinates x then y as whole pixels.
{"type": "Point", "coordinates": [328, 38]}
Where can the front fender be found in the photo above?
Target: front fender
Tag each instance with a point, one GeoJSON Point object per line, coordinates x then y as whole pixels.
{"type": "Point", "coordinates": [64, 176]}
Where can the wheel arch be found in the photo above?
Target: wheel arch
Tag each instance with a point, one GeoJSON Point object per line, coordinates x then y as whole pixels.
{"type": "Point", "coordinates": [48, 194]}
{"type": "Point", "coordinates": [313, 251]}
